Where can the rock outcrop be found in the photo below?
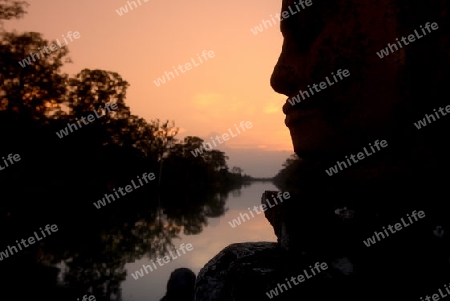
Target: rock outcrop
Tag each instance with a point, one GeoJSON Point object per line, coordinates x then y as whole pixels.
{"type": "Point", "coordinates": [240, 271]}
{"type": "Point", "coordinates": [180, 286]}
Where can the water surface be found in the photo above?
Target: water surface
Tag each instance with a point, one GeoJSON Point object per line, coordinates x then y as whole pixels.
{"type": "Point", "coordinates": [215, 236]}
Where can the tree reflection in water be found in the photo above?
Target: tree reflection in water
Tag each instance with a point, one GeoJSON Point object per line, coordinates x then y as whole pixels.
{"type": "Point", "coordinates": [92, 251]}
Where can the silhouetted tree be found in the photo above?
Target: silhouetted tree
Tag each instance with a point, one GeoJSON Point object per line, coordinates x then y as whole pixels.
{"type": "Point", "coordinates": [12, 9]}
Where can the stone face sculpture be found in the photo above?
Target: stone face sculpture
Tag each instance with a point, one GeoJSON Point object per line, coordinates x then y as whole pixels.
{"type": "Point", "coordinates": [389, 87]}
{"type": "Point", "coordinates": [382, 97]}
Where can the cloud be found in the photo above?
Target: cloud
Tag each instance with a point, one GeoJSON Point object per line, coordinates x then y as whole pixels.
{"type": "Point", "coordinates": [272, 108]}
{"type": "Point", "coordinates": [219, 106]}
{"type": "Point", "coordinates": [208, 99]}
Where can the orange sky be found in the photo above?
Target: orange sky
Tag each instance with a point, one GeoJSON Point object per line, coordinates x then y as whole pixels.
{"type": "Point", "coordinates": [144, 43]}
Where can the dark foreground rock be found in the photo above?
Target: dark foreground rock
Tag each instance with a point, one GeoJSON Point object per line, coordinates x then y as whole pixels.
{"type": "Point", "coordinates": [252, 271]}
{"type": "Point", "coordinates": [239, 271]}
{"type": "Point", "coordinates": [400, 266]}
{"type": "Point", "coordinates": [180, 286]}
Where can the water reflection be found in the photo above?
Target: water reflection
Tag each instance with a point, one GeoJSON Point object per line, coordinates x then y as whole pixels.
{"type": "Point", "coordinates": [95, 251]}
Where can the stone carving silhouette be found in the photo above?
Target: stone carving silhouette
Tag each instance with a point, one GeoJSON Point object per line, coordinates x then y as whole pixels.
{"type": "Point", "coordinates": [383, 98]}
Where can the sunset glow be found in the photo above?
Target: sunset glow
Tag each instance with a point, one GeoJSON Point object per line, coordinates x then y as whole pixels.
{"type": "Point", "coordinates": [157, 36]}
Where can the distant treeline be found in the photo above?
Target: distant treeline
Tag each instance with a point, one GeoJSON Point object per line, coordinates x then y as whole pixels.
{"type": "Point", "coordinates": [289, 177]}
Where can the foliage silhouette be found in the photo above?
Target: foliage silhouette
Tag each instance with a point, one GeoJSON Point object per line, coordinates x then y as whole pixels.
{"type": "Point", "coordinates": [58, 179]}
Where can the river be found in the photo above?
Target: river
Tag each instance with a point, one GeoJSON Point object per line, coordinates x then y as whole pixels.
{"type": "Point", "coordinates": [215, 236]}
{"type": "Point", "coordinates": [96, 251]}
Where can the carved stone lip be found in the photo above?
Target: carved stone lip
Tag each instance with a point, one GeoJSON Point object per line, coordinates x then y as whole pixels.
{"type": "Point", "coordinates": [300, 115]}
{"type": "Point", "coordinates": [302, 111]}
{"type": "Point", "coordinates": [309, 103]}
